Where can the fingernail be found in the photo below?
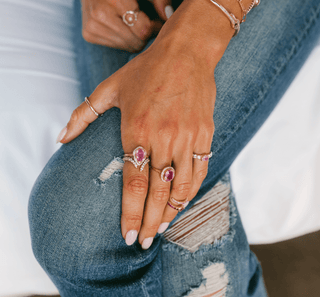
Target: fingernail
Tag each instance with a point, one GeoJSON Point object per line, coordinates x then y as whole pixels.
{"type": "Point", "coordinates": [147, 242]}
{"type": "Point", "coordinates": [131, 237]}
{"type": "Point", "coordinates": [61, 134]}
{"type": "Point", "coordinates": [163, 227]}
{"type": "Point", "coordinates": [168, 10]}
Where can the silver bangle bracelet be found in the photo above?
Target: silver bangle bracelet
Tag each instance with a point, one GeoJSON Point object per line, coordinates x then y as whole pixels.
{"type": "Point", "coordinates": [235, 23]}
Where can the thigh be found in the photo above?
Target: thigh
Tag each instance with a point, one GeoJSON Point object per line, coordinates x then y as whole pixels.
{"type": "Point", "coordinates": [74, 214]}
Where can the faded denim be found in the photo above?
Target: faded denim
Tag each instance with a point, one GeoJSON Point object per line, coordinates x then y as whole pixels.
{"type": "Point", "coordinates": [75, 218]}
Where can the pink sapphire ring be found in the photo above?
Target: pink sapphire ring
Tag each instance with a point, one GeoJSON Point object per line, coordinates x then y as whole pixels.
{"type": "Point", "coordinates": [166, 174]}
{"type": "Point", "coordinates": [139, 157]}
{"type": "Point", "coordinates": [202, 157]}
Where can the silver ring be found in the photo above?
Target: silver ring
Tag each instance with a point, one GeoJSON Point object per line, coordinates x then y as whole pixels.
{"type": "Point", "coordinates": [130, 17]}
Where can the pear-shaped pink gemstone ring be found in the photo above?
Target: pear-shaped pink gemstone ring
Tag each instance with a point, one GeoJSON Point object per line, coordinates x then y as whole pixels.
{"type": "Point", "coordinates": [138, 158]}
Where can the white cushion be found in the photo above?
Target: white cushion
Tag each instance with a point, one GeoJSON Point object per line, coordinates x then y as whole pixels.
{"type": "Point", "coordinates": [276, 177]}
{"type": "Point", "coordinates": [39, 90]}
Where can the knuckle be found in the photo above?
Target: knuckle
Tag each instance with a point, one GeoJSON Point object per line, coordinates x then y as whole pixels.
{"type": "Point", "coordinates": [98, 15]}
{"type": "Point", "coordinates": [132, 217]}
{"type": "Point", "coordinates": [182, 189]}
{"type": "Point", "coordinates": [90, 26]}
{"type": "Point", "coordinates": [75, 116]}
{"type": "Point", "coordinates": [137, 185]}
{"type": "Point", "coordinates": [86, 35]}
{"type": "Point", "coordinates": [208, 128]}
{"type": "Point", "coordinates": [161, 195]}
{"type": "Point", "coordinates": [152, 228]}
{"type": "Point", "coordinates": [168, 130]}
{"type": "Point", "coordinates": [201, 174]}
{"type": "Point", "coordinates": [146, 30]}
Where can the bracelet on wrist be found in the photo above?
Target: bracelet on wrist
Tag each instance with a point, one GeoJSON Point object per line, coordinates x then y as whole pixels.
{"type": "Point", "coordinates": [235, 23]}
{"type": "Point", "coordinates": [244, 11]}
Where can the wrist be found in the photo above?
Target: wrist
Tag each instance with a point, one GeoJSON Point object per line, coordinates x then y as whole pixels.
{"type": "Point", "coordinates": [200, 29]}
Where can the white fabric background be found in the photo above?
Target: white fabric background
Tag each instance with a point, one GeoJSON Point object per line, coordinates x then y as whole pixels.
{"type": "Point", "coordinates": [274, 178]}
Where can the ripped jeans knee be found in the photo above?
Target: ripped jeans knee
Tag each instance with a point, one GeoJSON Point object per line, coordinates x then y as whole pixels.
{"type": "Point", "coordinates": [205, 252]}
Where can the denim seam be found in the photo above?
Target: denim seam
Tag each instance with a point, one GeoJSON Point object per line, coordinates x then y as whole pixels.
{"type": "Point", "coordinates": [280, 66]}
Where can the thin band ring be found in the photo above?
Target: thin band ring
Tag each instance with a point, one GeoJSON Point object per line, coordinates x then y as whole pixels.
{"type": "Point", "coordinates": [178, 202]}
{"type": "Point", "coordinates": [86, 99]}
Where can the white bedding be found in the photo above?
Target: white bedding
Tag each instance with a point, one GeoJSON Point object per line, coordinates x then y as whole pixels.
{"type": "Point", "coordinates": [274, 178]}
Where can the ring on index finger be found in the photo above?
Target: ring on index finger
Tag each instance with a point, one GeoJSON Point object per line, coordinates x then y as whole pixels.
{"type": "Point", "coordinates": [130, 17]}
{"type": "Point", "coordinates": [139, 157]}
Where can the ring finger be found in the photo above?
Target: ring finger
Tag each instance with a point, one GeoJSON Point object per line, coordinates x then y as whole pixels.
{"type": "Point", "coordinates": [180, 189]}
{"type": "Point", "coordinates": [157, 197]}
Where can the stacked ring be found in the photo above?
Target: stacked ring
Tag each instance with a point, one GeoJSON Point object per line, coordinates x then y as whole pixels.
{"type": "Point", "coordinates": [182, 203]}
{"type": "Point", "coordinates": [139, 157]}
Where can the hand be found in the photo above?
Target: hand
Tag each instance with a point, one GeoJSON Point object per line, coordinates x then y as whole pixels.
{"type": "Point", "coordinates": [166, 96]}
{"type": "Point", "coordinates": [103, 24]}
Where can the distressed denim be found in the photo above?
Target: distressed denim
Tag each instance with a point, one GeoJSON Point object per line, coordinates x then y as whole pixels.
{"type": "Point", "coordinates": [75, 204]}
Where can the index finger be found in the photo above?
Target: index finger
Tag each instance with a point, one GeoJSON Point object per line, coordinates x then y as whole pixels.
{"type": "Point", "coordinates": [135, 188]}
{"type": "Point", "coordinates": [102, 99]}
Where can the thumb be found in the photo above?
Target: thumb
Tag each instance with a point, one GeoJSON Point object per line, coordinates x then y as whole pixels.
{"type": "Point", "coordinates": [102, 99]}
{"type": "Point", "coordinates": [164, 8]}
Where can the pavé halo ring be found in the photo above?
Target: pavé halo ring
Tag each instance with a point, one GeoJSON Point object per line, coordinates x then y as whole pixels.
{"type": "Point", "coordinates": [130, 17]}
{"type": "Point", "coordinates": [139, 157]}
{"type": "Point", "coordinates": [166, 174]}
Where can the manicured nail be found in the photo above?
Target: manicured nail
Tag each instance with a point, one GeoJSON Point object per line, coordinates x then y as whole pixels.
{"type": "Point", "coordinates": [185, 204]}
{"type": "Point", "coordinates": [163, 227]}
{"type": "Point", "coordinates": [147, 242]}
{"type": "Point", "coordinates": [131, 237]}
{"type": "Point", "coordinates": [61, 134]}
{"type": "Point", "coordinates": [168, 10]}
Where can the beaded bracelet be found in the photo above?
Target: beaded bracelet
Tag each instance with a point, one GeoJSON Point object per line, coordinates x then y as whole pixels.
{"type": "Point", "coordinates": [235, 23]}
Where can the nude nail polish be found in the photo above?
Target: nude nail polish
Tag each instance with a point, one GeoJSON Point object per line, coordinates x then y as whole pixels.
{"type": "Point", "coordinates": [147, 243]}
{"type": "Point", "coordinates": [168, 10]}
{"type": "Point", "coordinates": [131, 237]}
{"type": "Point", "coordinates": [61, 134]}
{"type": "Point", "coordinates": [163, 227]}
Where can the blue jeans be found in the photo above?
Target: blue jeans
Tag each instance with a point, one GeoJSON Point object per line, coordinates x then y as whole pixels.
{"type": "Point", "coordinates": [75, 204]}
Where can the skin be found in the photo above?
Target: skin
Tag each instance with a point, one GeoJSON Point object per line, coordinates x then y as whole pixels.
{"type": "Point", "coordinates": [166, 96]}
